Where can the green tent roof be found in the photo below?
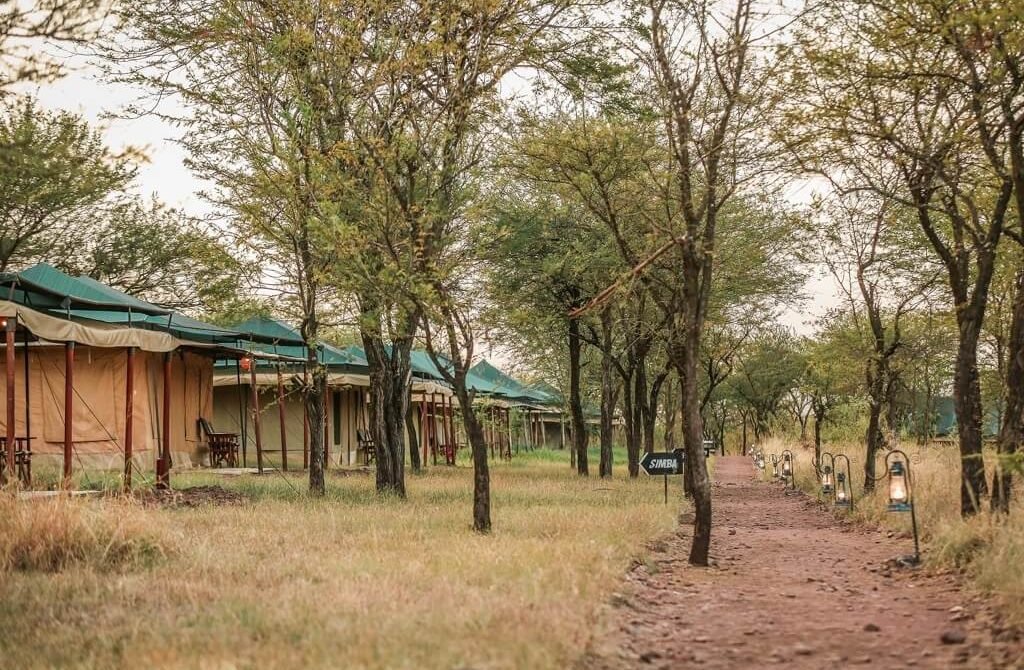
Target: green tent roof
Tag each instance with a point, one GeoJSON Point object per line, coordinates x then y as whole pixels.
{"type": "Point", "coordinates": [496, 382]}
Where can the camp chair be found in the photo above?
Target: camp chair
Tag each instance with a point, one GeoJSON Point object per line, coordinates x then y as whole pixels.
{"type": "Point", "coordinates": [223, 446]}
{"type": "Point", "coordinates": [366, 444]}
{"type": "Point", "coordinates": [22, 458]}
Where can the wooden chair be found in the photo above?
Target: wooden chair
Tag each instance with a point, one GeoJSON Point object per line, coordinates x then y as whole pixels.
{"type": "Point", "coordinates": [223, 446]}
{"type": "Point", "coordinates": [366, 444]}
{"type": "Point", "coordinates": [22, 458]}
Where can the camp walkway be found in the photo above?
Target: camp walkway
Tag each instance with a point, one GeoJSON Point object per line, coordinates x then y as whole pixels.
{"type": "Point", "coordinates": [794, 586]}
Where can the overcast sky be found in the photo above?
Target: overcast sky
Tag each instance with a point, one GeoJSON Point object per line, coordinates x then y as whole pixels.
{"type": "Point", "coordinates": [166, 176]}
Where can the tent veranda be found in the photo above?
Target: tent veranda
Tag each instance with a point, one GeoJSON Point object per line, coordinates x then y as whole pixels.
{"type": "Point", "coordinates": [97, 379]}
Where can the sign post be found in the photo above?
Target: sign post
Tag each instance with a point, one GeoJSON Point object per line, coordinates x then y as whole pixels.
{"type": "Point", "coordinates": [663, 463]}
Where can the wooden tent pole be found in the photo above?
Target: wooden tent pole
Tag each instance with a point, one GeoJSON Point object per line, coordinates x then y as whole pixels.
{"type": "Point", "coordinates": [69, 402]}
{"type": "Point", "coordinates": [434, 446]}
{"type": "Point", "coordinates": [28, 410]}
{"type": "Point", "coordinates": [327, 426]}
{"type": "Point", "coordinates": [423, 426]}
{"type": "Point", "coordinates": [129, 416]}
{"type": "Point", "coordinates": [9, 326]}
{"type": "Point", "coordinates": [163, 469]}
{"type": "Point", "coordinates": [305, 417]}
{"type": "Point", "coordinates": [445, 407]}
{"type": "Point", "coordinates": [254, 393]}
{"type": "Point", "coordinates": [281, 418]}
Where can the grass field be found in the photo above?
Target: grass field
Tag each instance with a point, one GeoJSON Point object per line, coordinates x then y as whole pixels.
{"type": "Point", "coordinates": [350, 581]}
{"type": "Point", "coordinates": [989, 549]}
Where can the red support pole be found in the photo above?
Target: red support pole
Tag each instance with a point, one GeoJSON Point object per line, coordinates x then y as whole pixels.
{"type": "Point", "coordinates": [163, 470]}
{"type": "Point", "coordinates": [433, 427]}
{"type": "Point", "coordinates": [9, 325]}
{"type": "Point", "coordinates": [327, 427]}
{"type": "Point", "coordinates": [129, 417]}
{"type": "Point", "coordinates": [281, 418]}
{"type": "Point", "coordinates": [305, 419]}
{"type": "Point", "coordinates": [69, 407]}
{"type": "Point", "coordinates": [257, 435]}
{"type": "Point", "coordinates": [446, 430]}
{"type": "Point", "coordinates": [423, 426]}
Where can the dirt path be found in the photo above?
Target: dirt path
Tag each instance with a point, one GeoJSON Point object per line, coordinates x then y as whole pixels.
{"type": "Point", "coordinates": [792, 585]}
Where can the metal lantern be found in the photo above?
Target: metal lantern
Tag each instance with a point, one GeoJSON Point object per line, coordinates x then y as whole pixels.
{"type": "Point", "coordinates": [827, 481]}
{"type": "Point", "coordinates": [842, 497]}
{"type": "Point", "coordinates": [775, 466]}
{"type": "Point", "coordinates": [899, 492]}
{"type": "Point", "coordinates": [245, 363]}
{"type": "Point", "coordinates": [787, 465]}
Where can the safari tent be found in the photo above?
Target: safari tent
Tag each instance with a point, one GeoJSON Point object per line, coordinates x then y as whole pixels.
{"type": "Point", "coordinates": [97, 379]}
{"type": "Point", "coordinates": [279, 402]}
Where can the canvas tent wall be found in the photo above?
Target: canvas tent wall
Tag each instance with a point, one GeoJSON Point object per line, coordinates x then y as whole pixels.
{"type": "Point", "coordinates": [98, 426]}
{"type": "Point", "coordinates": [76, 324]}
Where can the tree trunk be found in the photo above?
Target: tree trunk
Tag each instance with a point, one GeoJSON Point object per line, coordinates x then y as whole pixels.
{"type": "Point", "coordinates": [670, 418]}
{"type": "Point", "coordinates": [693, 441]}
{"type": "Point", "coordinates": [819, 418]}
{"type": "Point", "coordinates": [579, 423]}
{"type": "Point", "coordinates": [413, 439]}
{"type": "Point", "coordinates": [629, 415]}
{"type": "Point", "coordinates": [1011, 430]}
{"type": "Point", "coordinates": [607, 393]}
{"type": "Point", "coordinates": [967, 402]}
{"type": "Point", "coordinates": [315, 395]}
{"type": "Point", "coordinates": [390, 379]}
{"type": "Point", "coordinates": [481, 471]}
{"type": "Point", "coordinates": [873, 438]}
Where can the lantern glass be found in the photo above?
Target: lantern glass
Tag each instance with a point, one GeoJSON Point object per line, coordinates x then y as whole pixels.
{"type": "Point", "coordinates": [898, 490]}
{"type": "Point", "coordinates": [245, 363]}
{"type": "Point", "coordinates": [827, 483]}
{"type": "Point", "coordinates": [787, 466]}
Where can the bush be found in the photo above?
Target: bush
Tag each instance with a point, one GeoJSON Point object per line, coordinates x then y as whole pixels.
{"type": "Point", "coordinates": [53, 534]}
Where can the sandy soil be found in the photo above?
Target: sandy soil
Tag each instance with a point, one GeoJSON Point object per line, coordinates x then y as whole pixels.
{"type": "Point", "coordinates": [792, 585]}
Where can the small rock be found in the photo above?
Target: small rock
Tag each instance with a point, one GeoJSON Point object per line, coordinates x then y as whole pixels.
{"type": "Point", "coordinates": [957, 608]}
{"type": "Point", "coordinates": [954, 636]}
{"type": "Point", "coordinates": [732, 531]}
{"type": "Point", "coordinates": [649, 656]}
{"type": "Point", "coordinates": [871, 628]}
{"type": "Point", "coordinates": [802, 650]}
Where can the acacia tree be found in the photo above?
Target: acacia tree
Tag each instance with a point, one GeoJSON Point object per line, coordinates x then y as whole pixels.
{"type": "Point", "coordinates": [58, 187]}
{"type": "Point", "coordinates": [882, 274]}
{"type": "Point", "coordinates": [931, 110]}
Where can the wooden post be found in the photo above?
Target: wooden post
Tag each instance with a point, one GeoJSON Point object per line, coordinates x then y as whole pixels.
{"type": "Point", "coordinates": [305, 418]}
{"type": "Point", "coordinates": [163, 467]}
{"type": "Point", "coordinates": [423, 426]}
{"type": "Point", "coordinates": [129, 416]}
{"type": "Point", "coordinates": [327, 426]}
{"type": "Point", "coordinates": [28, 408]}
{"type": "Point", "coordinates": [255, 394]}
{"type": "Point", "coordinates": [445, 407]}
{"type": "Point", "coordinates": [281, 418]}
{"type": "Point", "coordinates": [69, 407]}
{"type": "Point", "coordinates": [9, 325]}
{"type": "Point", "coordinates": [561, 434]}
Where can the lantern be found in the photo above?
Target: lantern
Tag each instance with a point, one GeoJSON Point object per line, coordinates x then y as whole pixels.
{"type": "Point", "coordinates": [245, 363]}
{"type": "Point", "coordinates": [842, 498]}
{"type": "Point", "coordinates": [787, 465]}
{"type": "Point", "coordinates": [899, 494]}
{"type": "Point", "coordinates": [827, 484]}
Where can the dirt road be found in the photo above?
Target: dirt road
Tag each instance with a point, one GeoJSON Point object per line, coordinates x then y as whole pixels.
{"type": "Point", "coordinates": [794, 586]}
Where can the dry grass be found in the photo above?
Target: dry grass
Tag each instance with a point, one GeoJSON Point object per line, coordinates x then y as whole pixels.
{"type": "Point", "coordinates": [988, 549]}
{"type": "Point", "coordinates": [352, 581]}
{"type": "Point", "coordinates": [57, 533]}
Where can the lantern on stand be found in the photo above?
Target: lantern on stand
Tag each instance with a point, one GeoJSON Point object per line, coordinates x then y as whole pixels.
{"type": "Point", "coordinates": [901, 494]}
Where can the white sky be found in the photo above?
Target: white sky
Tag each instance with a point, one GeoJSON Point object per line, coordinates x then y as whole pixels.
{"type": "Point", "coordinates": [165, 175]}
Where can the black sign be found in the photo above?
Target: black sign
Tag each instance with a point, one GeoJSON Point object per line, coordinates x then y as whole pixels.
{"type": "Point", "coordinates": [662, 463]}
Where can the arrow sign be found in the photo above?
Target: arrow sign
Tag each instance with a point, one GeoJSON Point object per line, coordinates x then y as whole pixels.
{"type": "Point", "coordinates": [662, 463]}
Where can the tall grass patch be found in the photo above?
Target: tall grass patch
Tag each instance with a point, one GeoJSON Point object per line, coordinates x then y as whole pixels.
{"type": "Point", "coordinates": [53, 534]}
